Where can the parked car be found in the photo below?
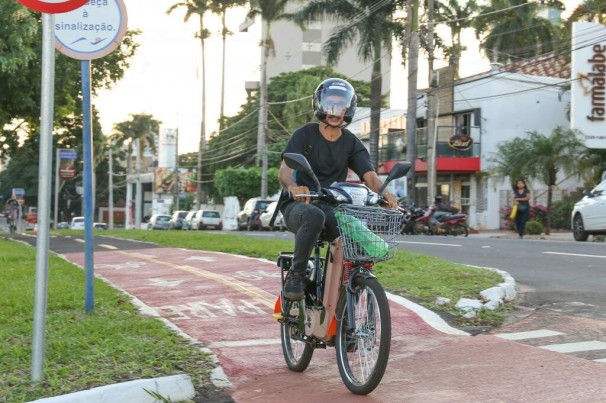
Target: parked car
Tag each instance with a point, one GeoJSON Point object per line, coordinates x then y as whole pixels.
{"type": "Point", "coordinates": [187, 221]}
{"type": "Point", "coordinates": [207, 219]}
{"type": "Point", "coordinates": [77, 223]}
{"type": "Point", "coordinates": [63, 225]}
{"type": "Point", "coordinates": [266, 218]}
{"type": "Point", "coordinates": [589, 214]}
{"type": "Point", "coordinates": [158, 221]}
{"type": "Point", "coordinates": [176, 220]}
{"type": "Point", "coordinates": [248, 218]}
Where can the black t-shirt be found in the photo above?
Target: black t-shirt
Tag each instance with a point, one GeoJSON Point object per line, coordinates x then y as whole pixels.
{"type": "Point", "coordinates": [519, 195]}
{"type": "Point", "coordinates": [328, 159]}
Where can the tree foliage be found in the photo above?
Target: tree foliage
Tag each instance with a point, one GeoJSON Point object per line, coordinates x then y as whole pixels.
{"type": "Point", "coordinates": [244, 182]}
{"type": "Point", "coordinates": [20, 94]}
{"type": "Point", "coordinates": [541, 158]}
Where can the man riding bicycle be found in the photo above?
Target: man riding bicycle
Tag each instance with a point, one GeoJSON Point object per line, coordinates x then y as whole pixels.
{"type": "Point", "coordinates": [330, 149]}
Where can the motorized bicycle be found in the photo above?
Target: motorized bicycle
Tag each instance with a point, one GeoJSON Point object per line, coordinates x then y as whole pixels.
{"type": "Point", "coordinates": [435, 222]}
{"type": "Point", "coordinates": [344, 304]}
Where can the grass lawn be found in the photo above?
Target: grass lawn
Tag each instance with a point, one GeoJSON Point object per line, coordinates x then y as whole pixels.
{"type": "Point", "coordinates": [115, 343]}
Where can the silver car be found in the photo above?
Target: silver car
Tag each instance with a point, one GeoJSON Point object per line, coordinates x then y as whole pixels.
{"type": "Point", "coordinates": [158, 221]}
{"type": "Point", "coordinates": [589, 214]}
{"type": "Point", "coordinates": [266, 218]}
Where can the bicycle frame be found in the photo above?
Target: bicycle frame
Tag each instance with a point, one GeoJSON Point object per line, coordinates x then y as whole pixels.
{"type": "Point", "coordinates": [321, 316]}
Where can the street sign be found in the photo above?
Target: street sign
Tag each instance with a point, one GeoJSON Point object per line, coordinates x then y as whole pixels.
{"type": "Point", "coordinates": [54, 6]}
{"type": "Point", "coordinates": [91, 32]}
{"type": "Point", "coordinates": [18, 192]}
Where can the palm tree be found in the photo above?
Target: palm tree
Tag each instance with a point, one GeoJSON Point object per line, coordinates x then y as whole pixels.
{"type": "Point", "coordinates": [541, 158]}
{"type": "Point", "coordinates": [457, 17]}
{"type": "Point", "coordinates": [270, 12]}
{"type": "Point", "coordinates": [198, 7]}
{"type": "Point", "coordinates": [220, 7]}
{"type": "Point", "coordinates": [590, 11]}
{"type": "Point", "coordinates": [371, 25]}
{"type": "Point", "coordinates": [511, 30]}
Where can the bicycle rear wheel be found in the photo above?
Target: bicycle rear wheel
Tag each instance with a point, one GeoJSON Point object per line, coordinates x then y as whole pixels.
{"type": "Point", "coordinates": [297, 352]}
{"type": "Point", "coordinates": [362, 354]}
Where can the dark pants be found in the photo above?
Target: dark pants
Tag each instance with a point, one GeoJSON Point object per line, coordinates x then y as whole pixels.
{"type": "Point", "coordinates": [521, 220]}
{"type": "Point", "coordinates": [306, 221]}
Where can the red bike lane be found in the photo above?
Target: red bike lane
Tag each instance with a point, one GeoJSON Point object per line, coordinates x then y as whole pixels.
{"type": "Point", "coordinates": [225, 302]}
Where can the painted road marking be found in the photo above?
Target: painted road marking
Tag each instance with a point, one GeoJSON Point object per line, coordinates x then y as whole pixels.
{"type": "Point", "coordinates": [120, 266]}
{"type": "Point", "coordinates": [600, 360]}
{"type": "Point", "coordinates": [429, 243]}
{"type": "Point", "coordinates": [228, 281]}
{"type": "Point", "coordinates": [244, 343]}
{"type": "Point", "coordinates": [202, 258]}
{"type": "Point", "coordinates": [533, 334]}
{"type": "Point", "coordinates": [576, 347]}
{"type": "Point", "coordinates": [217, 309]}
{"type": "Point", "coordinates": [575, 254]}
{"type": "Point", "coordinates": [108, 246]}
{"type": "Point", "coordinates": [157, 282]}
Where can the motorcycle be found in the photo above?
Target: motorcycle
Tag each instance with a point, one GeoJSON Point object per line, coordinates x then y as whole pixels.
{"type": "Point", "coordinates": [435, 222]}
{"type": "Point", "coordinates": [409, 216]}
{"type": "Point", "coordinates": [344, 304]}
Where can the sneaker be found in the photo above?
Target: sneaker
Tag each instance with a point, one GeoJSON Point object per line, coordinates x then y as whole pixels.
{"type": "Point", "coordinates": [293, 288]}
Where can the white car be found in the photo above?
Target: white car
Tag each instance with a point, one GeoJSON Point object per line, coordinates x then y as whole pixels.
{"type": "Point", "coordinates": [207, 219]}
{"type": "Point", "coordinates": [77, 223]}
{"type": "Point", "coordinates": [589, 214]}
{"type": "Point", "coordinates": [266, 217]}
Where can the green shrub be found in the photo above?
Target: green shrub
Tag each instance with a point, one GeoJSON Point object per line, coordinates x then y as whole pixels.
{"type": "Point", "coordinates": [534, 228]}
{"type": "Point", "coordinates": [560, 214]}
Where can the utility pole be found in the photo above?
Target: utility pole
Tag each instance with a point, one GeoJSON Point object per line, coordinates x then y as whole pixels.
{"type": "Point", "coordinates": [262, 129]}
{"type": "Point", "coordinates": [432, 132]}
{"type": "Point", "coordinates": [411, 114]}
{"type": "Point", "coordinates": [176, 174]}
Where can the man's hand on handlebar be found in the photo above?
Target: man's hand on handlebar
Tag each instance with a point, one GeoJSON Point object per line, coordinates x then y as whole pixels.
{"type": "Point", "coordinates": [299, 190]}
{"type": "Point", "coordinates": [391, 200]}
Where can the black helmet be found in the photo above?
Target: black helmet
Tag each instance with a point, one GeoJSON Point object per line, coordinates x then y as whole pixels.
{"type": "Point", "coordinates": [324, 104]}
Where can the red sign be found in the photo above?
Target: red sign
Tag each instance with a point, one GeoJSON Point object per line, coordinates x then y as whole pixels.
{"type": "Point", "coordinates": [53, 7]}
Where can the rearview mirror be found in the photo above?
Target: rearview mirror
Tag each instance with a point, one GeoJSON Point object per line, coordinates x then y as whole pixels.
{"type": "Point", "coordinates": [299, 163]}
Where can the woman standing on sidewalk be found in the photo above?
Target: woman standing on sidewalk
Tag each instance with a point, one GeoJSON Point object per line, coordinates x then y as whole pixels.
{"type": "Point", "coordinates": [521, 196]}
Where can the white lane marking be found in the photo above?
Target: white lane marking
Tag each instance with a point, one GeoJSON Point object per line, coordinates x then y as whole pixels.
{"type": "Point", "coordinates": [533, 334]}
{"type": "Point", "coordinates": [575, 254]}
{"type": "Point", "coordinates": [157, 282]}
{"type": "Point", "coordinates": [575, 347]}
{"type": "Point", "coordinates": [120, 266]}
{"type": "Point", "coordinates": [244, 343]}
{"type": "Point", "coordinates": [600, 360]}
{"type": "Point", "coordinates": [79, 240]}
{"type": "Point", "coordinates": [108, 246]}
{"type": "Point", "coordinates": [202, 258]}
{"type": "Point", "coordinates": [429, 243]}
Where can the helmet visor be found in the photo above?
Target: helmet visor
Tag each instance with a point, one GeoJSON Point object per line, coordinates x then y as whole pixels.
{"type": "Point", "coordinates": [336, 100]}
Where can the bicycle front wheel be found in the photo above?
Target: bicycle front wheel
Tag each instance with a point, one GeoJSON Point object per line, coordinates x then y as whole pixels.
{"type": "Point", "coordinates": [297, 352]}
{"type": "Point", "coordinates": [362, 352]}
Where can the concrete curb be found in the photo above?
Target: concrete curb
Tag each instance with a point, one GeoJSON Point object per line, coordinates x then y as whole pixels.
{"type": "Point", "coordinates": [176, 388]}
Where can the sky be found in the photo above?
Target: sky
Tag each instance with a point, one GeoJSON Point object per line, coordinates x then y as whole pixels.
{"type": "Point", "coordinates": [164, 79]}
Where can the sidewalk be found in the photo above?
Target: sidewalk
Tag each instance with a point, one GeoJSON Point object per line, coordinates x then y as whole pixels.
{"type": "Point", "coordinates": [555, 235]}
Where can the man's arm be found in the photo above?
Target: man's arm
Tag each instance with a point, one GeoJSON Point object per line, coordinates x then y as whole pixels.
{"type": "Point", "coordinates": [287, 181]}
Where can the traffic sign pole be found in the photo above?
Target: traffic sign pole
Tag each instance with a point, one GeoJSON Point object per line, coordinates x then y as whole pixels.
{"type": "Point", "coordinates": [44, 181]}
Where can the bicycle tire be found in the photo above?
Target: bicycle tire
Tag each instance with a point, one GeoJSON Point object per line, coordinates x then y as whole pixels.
{"type": "Point", "coordinates": [297, 352]}
{"type": "Point", "coordinates": [362, 356]}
